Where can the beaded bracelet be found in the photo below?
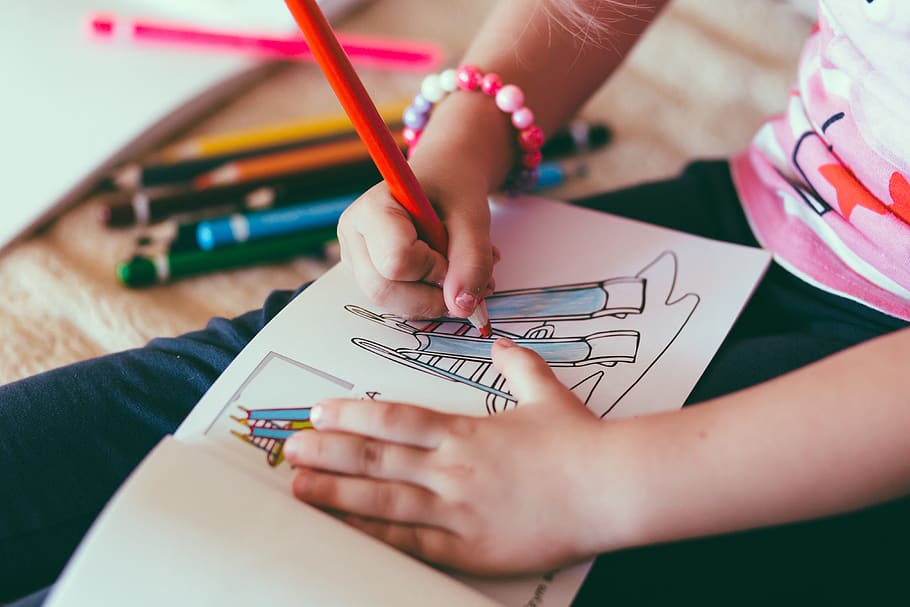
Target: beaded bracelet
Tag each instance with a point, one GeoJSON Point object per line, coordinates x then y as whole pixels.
{"type": "Point", "coordinates": [508, 97]}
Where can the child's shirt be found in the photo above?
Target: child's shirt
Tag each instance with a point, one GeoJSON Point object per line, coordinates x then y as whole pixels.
{"type": "Point", "coordinates": [826, 185]}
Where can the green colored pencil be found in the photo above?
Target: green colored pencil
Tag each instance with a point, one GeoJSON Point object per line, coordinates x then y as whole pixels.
{"type": "Point", "coordinates": [142, 271]}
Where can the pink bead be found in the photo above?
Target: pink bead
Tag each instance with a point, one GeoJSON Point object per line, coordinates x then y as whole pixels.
{"type": "Point", "coordinates": [531, 159]}
{"type": "Point", "coordinates": [530, 138]}
{"type": "Point", "coordinates": [522, 118]}
{"type": "Point", "coordinates": [510, 98]}
{"type": "Point", "coordinates": [410, 135]}
{"type": "Point", "coordinates": [491, 84]}
{"type": "Point", "coordinates": [468, 78]}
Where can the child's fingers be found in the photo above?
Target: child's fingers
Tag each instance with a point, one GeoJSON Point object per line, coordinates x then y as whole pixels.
{"type": "Point", "coordinates": [395, 250]}
{"type": "Point", "coordinates": [470, 258]}
{"type": "Point", "coordinates": [432, 543]}
{"type": "Point", "coordinates": [497, 255]}
{"type": "Point", "coordinates": [355, 455]}
{"type": "Point", "coordinates": [394, 422]}
{"type": "Point", "coordinates": [410, 299]}
{"type": "Point", "coordinates": [528, 375]}
{"type": "Point", "coordinates": [387, 500]}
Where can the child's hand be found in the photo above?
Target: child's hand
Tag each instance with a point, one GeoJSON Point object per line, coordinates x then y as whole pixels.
{"type": "Point", "coordinates": [400, 272]}
{"type": "Point", "coordinates": [497, 495]}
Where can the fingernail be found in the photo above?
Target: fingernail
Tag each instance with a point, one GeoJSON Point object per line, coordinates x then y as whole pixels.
{"type": "Point", "coordinates": [467, 301]}
{"type": "Point", "coordinates": [291, 447]}
{"type": "Point", "coordinates": [505, 342]}
{"type": "Point", "coordinates": [316, 414]}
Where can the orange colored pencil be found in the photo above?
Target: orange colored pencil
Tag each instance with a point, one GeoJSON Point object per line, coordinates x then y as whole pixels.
{"type": "Point", "coordinates": [366, 120]}
{"type": "Point", "coordinates": [292, 161]}
{"type": "Point", "coordinates": [388, 157]}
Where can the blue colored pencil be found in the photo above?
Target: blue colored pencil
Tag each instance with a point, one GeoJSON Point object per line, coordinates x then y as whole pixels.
{"type": "Point", "coordinates": [242, 227]}
{"type": "Point", "coordinates": [276, 433]}
{"type": "Point", "coordinates": [280, 414]}
{"type": "Point", "coordinates": [552, 173]}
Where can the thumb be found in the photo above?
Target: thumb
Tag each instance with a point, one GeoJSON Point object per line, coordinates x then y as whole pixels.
{"type": "Point", "coordinates": [470, 257]}
{"type": "Point", "coordinates": [528, 375]}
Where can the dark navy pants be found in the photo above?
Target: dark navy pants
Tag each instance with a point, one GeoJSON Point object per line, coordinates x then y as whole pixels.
{"type": "Point", "coordinates": [70, 436]}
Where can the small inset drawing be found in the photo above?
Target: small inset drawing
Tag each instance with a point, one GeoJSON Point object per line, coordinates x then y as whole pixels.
{"type": "Point", "coordinates": [267, 429]}
{"type": "Point", "coordinates": [274, 402]}
{"type": "Point", "coordinates": [618, 326]}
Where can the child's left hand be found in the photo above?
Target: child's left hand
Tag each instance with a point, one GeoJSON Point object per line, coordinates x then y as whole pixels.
{"type": "Point", "coordinates": [504, 494]}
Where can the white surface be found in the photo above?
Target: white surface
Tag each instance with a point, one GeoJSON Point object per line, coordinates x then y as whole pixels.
{"type": "Point", "coordinates": [236, 543]}
{"type": "Point", "coordinates": [687, 313]}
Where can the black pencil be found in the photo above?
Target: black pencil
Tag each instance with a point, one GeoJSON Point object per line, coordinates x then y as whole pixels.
{"type": "Point", "coordinates": [154, 204]}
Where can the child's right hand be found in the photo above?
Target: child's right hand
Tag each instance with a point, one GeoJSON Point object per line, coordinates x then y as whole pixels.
{"type": "Point", "coordinates": [400, 272]}
{"type": "Point", "coordinates": [464, 153]}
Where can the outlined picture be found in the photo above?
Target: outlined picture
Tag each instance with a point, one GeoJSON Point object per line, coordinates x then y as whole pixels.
{"type": "Point", "coordinates": [267, 429]}
{"type": "Point", "coordinates": [600, 337]}
{"type": "Point", "coordinates": [274, 402]}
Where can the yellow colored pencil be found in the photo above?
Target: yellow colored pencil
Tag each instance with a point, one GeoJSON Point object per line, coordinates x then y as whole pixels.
{"type": "Point", "coordinates": [274, 134]}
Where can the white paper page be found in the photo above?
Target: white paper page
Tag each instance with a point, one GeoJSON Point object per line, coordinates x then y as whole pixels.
{"type": "Point", "coordinates": [637, 314]}
{"type": "Point", "coordinates": [275, 386]}
{"type": "Point", "coordinates": [186, 530]}
{"type": "Point", "coordinates": [629, 314]}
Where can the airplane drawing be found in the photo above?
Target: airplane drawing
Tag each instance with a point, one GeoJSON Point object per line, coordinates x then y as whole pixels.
{"type": "Point", "coordinates": [619, 326]}
{"type": "Point", "coordinates": [267, 429]}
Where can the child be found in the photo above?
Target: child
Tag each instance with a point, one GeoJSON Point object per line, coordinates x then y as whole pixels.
{"type": "Point", "coordinates": [824, 187]}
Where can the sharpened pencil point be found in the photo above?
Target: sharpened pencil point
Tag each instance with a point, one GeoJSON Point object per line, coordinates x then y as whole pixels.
{"type": "Point", "coordinates": [480, 318]}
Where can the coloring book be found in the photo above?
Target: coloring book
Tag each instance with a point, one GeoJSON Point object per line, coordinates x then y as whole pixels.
{"type": "Point", "coordinates": [627, 314]}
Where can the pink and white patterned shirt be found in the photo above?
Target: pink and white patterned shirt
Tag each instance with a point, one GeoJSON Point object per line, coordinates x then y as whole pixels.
{"type": "Point", "coordinates": [826, 185]}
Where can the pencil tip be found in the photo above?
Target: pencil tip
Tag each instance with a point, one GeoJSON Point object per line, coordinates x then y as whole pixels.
{"type": "Point", "coordinates": [481, 319]}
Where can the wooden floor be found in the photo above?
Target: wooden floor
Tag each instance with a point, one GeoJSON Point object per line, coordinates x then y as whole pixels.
{"type": "Point", "coordinates": [698, 85]}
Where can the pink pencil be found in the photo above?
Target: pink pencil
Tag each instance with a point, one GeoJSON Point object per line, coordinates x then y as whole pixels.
{"type": "Point", "coordinates": [367, 51]}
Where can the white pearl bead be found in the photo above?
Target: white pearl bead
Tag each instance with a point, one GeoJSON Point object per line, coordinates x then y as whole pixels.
{"type": "Point", "coordinates": [431, 88]}
{"type": "Point", "coordinates": [448, 80]}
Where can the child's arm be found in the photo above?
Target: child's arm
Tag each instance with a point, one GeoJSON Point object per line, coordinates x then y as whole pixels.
{"type": "Point", "coordinates": [547, 483]}
{"type": "Point", "coordinates": [468, 148]}
{"type": "Point", "coordinates": [828, 438]}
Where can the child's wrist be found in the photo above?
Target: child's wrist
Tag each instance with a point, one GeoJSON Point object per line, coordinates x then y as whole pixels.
{"type": "Point", "coordinates": [498, 108]}
{"type": "Point", "coordinates": [469, 135]}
